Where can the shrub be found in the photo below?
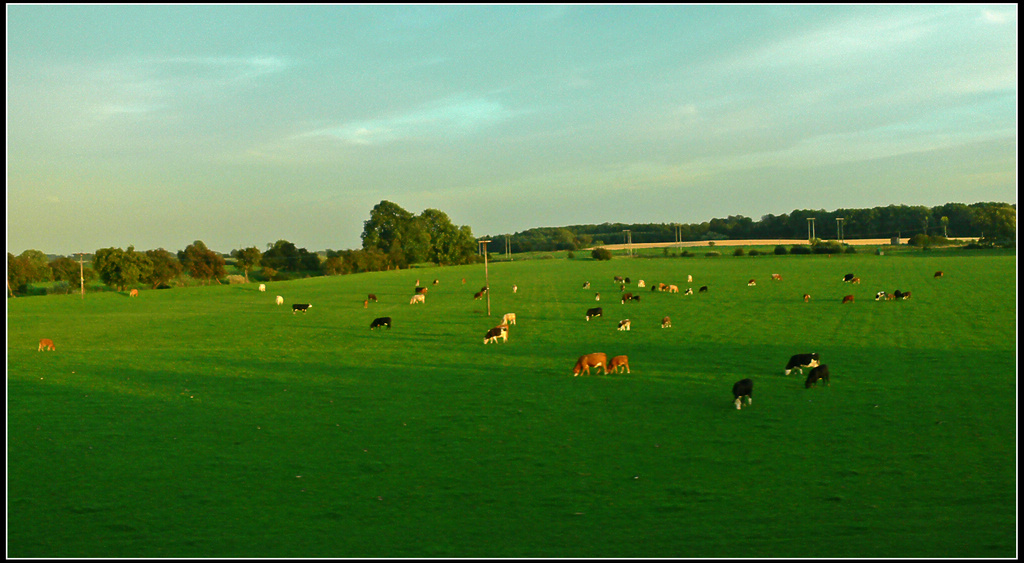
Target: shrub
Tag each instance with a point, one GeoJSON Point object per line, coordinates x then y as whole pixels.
{"type": "Point", "coordinates": [755, 252]}
{"type": "Point", "coordinates": [59, 288]}
{"type": "Point", "coordinates": [712, 254]}
{"type": "Point", "coordinates": [850, 250]}
{"type": "Point", "coordinates": [685, 254]}
{"type": "Point", "coordinates": [601, 254]}
{"type": "Point", "coordinates": [570, 255]}
{"type": "Point", "coordinates": [781, 250]}
{"type": "Point", "coordinates": [233, 279]}
{"type": "Point", "coordinates": [799, 249]}
{"type": "Point", "coordinates": [738, 252]}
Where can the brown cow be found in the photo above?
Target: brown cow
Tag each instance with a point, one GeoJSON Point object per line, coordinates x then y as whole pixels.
{"type": "Point", "coordinates": [666, 323]}
{"type": "Point", "coordinates": [478, 295]}
{"type": "Point", "coordinates": [133, 293]}
{"type": "Point", "coordinates": [624, 324]}
{"type": "Point", "coordinates": [938, 274]}
{"type": "Point", "coordinates": [855, 280]}
{"type": "Point", "coordinates": [777, 277]}
{"type": "Point", "coordinates": [371, 297]}
{"type": "Point", "coordinates": [421, 291]}
{"type": "Point", "coordinates": [46, 344]}
{"type": "Point", "coordinates": [587, 361]}
{"type": "Point", "coordinates": [751, 282]}
{"type": "Point", "coordinates": [618, 362]}
{"type": "Point", "coordinates": [848, 299]}
{"type": "Point", "coordinates": [807, 298]}
{"type": "Point", "coordinates": [673, 289]}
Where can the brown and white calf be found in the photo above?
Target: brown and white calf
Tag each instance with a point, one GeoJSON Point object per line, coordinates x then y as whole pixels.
{"type": "Point", "coordinates": [618, 362]}
{"type": "Point", "coordinates": [666, 323]}
{"type": "Point", "coordinates": [587, 361]}
{"type": "Point", "coordinates": [751, 282]}
{"type": "Point", "coordinates": [776, 277]}
{"type": "Point", "coordinates": [624, 324]}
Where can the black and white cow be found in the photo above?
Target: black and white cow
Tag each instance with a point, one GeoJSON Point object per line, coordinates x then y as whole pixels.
{"type": "Point", "coordinates": [901, 295]}
{"type": "Point", "coordinates": [595, 312]}
{"type": "Point", "coordinates": [379, 322]}
{"type": "Point", "coordinates": [820, 372]}
{"type": "Point", "coordinates": [848, 277]}
{"type": "Point", "coordinates": [743, 388]}
{"type": "Point", "coordinates": [800, 361]}
{"type": "Point", "coordinates": [300, 307]}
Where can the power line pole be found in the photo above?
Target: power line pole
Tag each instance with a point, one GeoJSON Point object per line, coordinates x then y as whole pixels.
{"type": "Point", "coordinates": [839, 228]}
{"type": "Point", "coordinates": [487, 279]}
{"type": "Point", "coordinates": [629, 242]}
{"type": "Point", "coordinates": [810, 229]}
{"type": "Point", "coordinates": [81, 272]}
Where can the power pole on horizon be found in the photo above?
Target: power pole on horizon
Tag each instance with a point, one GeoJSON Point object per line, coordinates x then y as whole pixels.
{"type": "Point", "coordinates": [487, 279]}
{"type": "Point", "coordinates": [81, 272]}
{"type": "Point", "coordinates": [810, 229]}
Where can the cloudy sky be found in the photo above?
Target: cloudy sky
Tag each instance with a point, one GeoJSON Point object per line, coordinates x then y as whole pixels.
{"type": "Point", "coordinates": [155, 126]}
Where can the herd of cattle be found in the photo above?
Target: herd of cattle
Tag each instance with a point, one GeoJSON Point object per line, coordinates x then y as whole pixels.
{"type": "Point", "coordinates": [742, 389]}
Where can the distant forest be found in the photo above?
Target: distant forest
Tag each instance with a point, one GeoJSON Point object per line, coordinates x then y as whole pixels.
{"type": "Point", "coordinates": [994, 221]}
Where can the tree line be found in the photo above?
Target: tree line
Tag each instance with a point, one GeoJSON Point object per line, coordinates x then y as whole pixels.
{"type": "Point", "coordinates": [993, 221]}
{"type": "Point", "coordinates": [392, 238]}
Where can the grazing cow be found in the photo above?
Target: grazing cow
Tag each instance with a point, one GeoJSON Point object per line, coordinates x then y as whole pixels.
{"type": "Point", "coordinates": [46, 344]}
{"type": "Point", "coordinates": [820, 372]}
{"type": "Point", "coordinates": [626, 297]}
{"type": "Point", "coordinates": [743, 388]}
{"type": "Point", "coordinates": [618, 279]}
{"type": "Point", "coordinates": [776, 277]}
{"type": "Point", "coordinates": [666, 323]}
{"type": "Point", "coordinates": [597, 296]}
{"type": "Point", "coordinates": [881, 295]}
{"type": "Point", "coordinates": [640, 283]}
{"type": "Point", "coordinates": [595, 312]}
{"type": "Point", "coordinates": [371, 297]}
{"type": "Point", "coordinates": [586, 285]}
{"type": "Point", "coordinates": [800, 361]}
{"type": "Point", "coordinates": [662, 287]}
{"type": "Point", "coordinates": [673, 289]}
{"type": "Point", "coordinates": [133, 293]}
{"type": "Point", "coordinates": [300, 307]}
{"type": "Point", "coordinates": [279, 300]}
{"type": "Point", "coordinates": [901, 295]}
{"type": "Point", "coordinates": [381, 321]}
{"type": "Point", "coordinates": [263, 287]}
{"type": "Point", "coordinates": [848, 277]}
{"type": "Point", "coordinates": [855, 280]}
{"type": "Point", "coordinates": [807, 298]}
{"type": "Point", "coordinates": [483, 289]}
{"type": "Point", "coordinates": [515, 288]}
{"type": "Point", "coordinates": [419, 298]}
{"type": "Point", "coordinates": [848, 299]}
{"type": "Point", "coordinates": [478, 295]}
{"type": "Point", "coordinates": [703, 289]}
{"type": "Point", "coordinates": [421, 291]}
{"type": "Point", "coordinates": [689, 278]}
{"type": "Point", "coordinates": [436, 282]}
{"type": "Point", "coordinates": [636, 298]}
{"type": "Point", "coordinates": [495, 333]}
{"type": "Point", "coordinates": [624, 324]}
{"type": "Point", "coordinates": [751, 282]}
{"type": "Point", "coordinates": [508, 319]}
{"type": "Point", "coordinates": [938, 274]}
{"type": "Point", "coordinates": [689, 291]}
{"type": "Point", "coordinates": [618, 362]}
{"type": "Point", "coordinates": [587, 361]}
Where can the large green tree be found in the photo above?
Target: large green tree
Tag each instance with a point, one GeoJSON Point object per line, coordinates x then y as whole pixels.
{"type": "Point", "coordinates": [120, 268]}
{"type": "Point", "coordinates": [166, 267]}
{"type": "Point", "coordinates": [247, 259]}
{"type": "Point", "coordinates": [202, 263]}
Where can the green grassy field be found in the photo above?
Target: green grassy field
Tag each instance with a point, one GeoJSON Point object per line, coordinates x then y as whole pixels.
{"type": "Point", "coordinates": [209, 422]}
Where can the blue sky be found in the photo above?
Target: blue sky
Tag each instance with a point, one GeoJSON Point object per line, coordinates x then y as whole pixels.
{"type": "Point", "coordinates": [155, 126]}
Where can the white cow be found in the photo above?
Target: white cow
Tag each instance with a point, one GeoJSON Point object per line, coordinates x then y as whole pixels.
{"type": "Point", "coordinates": [280, 300]}
{"type": "Point", "coordinates": [419, 298]}
{"type": "Point", "coordinates": [509, 319]}
{"type": "Point", "coordinates": [263, 287]}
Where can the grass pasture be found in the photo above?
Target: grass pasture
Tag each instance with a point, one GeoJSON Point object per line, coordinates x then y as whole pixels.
{"type": "Point", "coordinates": [209, 422]}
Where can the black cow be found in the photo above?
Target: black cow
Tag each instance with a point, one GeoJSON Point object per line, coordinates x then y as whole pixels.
{"type": "Point", "coordinates": [595, 312]}
{"type": "Point", "coordinates": [901, 295]}
{"type": "Point", "coordinates": [743, 388]}
{"type": "Point", "coordinates": [848, 277]}
{"type": "Point", "coordinates": [820, 372]}
{"type": "Point", "coordinates": [703, 289]}
{"type": "Point", "coordinates": [379, 322]}
{"type": "Point", "coordinates": [300, 307]}
{"type": "Point", "coordinates": [800, 361]}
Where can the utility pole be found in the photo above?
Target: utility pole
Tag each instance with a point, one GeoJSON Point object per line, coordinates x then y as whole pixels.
{"type": "Point", "coordinates": [810, 229]}
{"type": "Point", "coordinates": [81, 273]}
{"type": "Point", "coordinates": [839, 228]}
{"type": "Point", "coordinates": [487, 279]}
{"type": "Point", "coordinates": [629, 242]}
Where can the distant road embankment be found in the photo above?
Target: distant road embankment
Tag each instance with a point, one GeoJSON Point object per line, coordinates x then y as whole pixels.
{"type": "Point", "coordinates": [759, 242]}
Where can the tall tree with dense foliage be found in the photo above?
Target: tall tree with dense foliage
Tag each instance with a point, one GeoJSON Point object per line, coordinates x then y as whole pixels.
{"type": "Point", "coordinates": [247, 259]}
{"type": "Point", "coordinates": [202, 263]}
{"type": "Point", "coordinates": [166, 267]}
{"type": "Point", "coordinates": [121, 268]}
